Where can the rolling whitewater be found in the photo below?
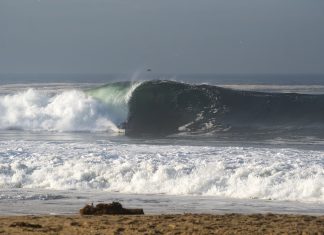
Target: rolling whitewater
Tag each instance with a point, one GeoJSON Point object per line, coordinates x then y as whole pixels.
{"type": "Point", "coordinates": [239, 146]}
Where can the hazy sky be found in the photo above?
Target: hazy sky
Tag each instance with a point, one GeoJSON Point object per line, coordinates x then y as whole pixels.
{"type": "Point", "coordinates": [168, 36]}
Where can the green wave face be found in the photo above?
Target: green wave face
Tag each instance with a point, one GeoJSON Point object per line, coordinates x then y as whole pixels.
{"type": "Point", "coordinates": [116, 97]}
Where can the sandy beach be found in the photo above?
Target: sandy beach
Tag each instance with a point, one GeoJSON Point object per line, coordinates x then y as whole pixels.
{"type": "Point", "coordinates": [164, 224]}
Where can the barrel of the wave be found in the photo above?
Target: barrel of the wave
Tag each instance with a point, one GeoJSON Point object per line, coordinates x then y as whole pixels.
{"type": "Point", "coordinates": [116, 97]}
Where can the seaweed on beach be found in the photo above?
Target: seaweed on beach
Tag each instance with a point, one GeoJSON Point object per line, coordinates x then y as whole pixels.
{"type": "Point", "coordinates": [114, 208]}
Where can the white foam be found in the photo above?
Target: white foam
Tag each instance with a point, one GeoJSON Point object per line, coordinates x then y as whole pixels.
{"type": "Point", "coordinates": [232, 172]}
{"type": "Point", "coordinates": [66, 111]}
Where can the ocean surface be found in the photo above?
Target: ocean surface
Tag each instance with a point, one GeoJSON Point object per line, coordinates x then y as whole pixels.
{"type": "Point", "coordinates": [166, 143]}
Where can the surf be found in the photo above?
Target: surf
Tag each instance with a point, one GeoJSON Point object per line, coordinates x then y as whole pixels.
{"type": "Point", "coordinates": [164, 108]}
{"type": "Point", "coordinates": [70, 110]}
{"type": "Point", "coordinates": [230, 172]}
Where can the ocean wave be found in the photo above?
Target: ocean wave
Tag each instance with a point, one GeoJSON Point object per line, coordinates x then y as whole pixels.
{"type": "Point", "coordinates": [167, 107]}
{"type": "Point", "coordinates": [164, 108]}
{"type": "Point", "coordinates": [232, 172]}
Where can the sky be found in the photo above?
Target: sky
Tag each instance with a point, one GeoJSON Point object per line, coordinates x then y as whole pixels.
{"type": "Point", "coordinates": [167, 36]}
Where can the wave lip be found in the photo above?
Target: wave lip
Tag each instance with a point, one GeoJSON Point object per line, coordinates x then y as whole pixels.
{"type": "Point", "coordinates": [115, 96]}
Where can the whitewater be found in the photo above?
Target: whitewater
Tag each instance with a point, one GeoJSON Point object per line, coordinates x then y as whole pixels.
{"type": "Point", "coordinates": [233, 172]}
{"type": "Point", "coordinates": [60, 144]}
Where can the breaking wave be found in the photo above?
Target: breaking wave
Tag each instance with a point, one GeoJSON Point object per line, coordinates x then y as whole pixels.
{"type": "Point", "coordinates": [67, 111]}
{"type": "Point", "coordinates": [233, 172]}
{"type": "Point", "coordinates": [163, 108]}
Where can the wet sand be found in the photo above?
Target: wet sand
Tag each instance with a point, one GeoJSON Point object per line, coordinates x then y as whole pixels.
{"type": "Point", "coordinates": [164, 224]}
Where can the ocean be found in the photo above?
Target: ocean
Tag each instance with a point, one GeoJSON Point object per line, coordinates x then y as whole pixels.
{"type": "Point", "coordinates": [165, 143]}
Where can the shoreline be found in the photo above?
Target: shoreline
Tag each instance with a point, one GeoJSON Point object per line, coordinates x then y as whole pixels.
{"type": "Point", "coordinates": [164, 224]}
{"type": "Point", "coordinates": [16, 202]}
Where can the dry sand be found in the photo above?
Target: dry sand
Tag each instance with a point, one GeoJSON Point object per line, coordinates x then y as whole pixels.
{"type": "Point", "coordinates": [164, 224]}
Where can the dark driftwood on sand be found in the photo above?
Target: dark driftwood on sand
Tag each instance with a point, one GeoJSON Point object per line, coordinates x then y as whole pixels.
{"type": "Point", "coordinates": [114, 208]}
